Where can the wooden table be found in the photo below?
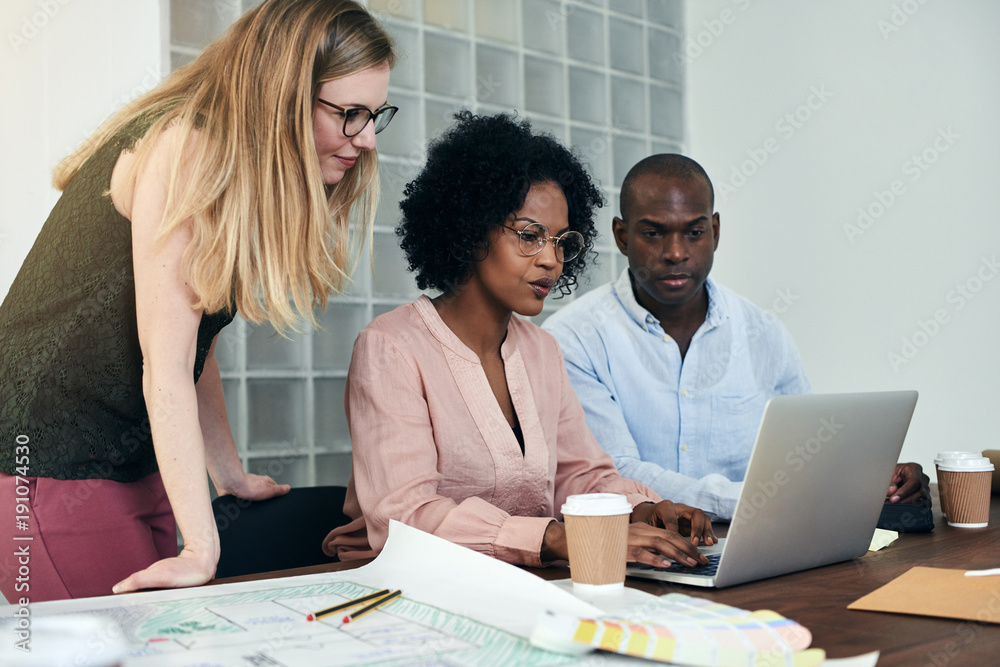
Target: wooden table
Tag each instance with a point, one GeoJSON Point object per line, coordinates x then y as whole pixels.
{"type": "Point", "coordinates": [818, 598]}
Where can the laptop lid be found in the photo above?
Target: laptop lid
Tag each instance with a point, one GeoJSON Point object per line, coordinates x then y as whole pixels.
{"type": "Point", "coordinates": [814, 486]}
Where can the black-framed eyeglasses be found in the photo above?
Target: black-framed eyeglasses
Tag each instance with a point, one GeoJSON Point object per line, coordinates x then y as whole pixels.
{"type": "Point", "coordinates": [534, 236]}
{"type": "Point", "coordinates": [356, 118]}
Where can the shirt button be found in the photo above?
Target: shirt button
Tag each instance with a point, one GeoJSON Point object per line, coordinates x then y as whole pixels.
{"type": "Point", "coordinates": [684, 448]}
{"type": "Point", "coordinates": [667, 338]}
{"type": "Point", "coordinates": [684, 393]}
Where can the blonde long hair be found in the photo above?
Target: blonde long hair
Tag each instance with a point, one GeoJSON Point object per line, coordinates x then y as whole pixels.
{"type": "Point", "coordinates": [268, 236]}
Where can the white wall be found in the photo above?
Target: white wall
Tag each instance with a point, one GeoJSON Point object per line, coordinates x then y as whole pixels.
{"type": "Point", "coordinates": [65, 65]}
{"type": "Point", "coordinates": [897, 79]}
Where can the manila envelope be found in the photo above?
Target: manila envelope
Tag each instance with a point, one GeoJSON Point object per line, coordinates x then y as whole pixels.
{"type": "Point", "coordinates": [934, 591]}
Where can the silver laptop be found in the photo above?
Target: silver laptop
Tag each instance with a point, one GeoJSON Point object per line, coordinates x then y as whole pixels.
{"type": "Point", "coordinates": [813, 491]}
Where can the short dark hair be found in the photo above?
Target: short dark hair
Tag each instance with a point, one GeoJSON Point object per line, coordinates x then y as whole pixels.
{"type": "Point", "coordinates": [477, 174]}
{"type": "Point", "coordinates": [665, 165]}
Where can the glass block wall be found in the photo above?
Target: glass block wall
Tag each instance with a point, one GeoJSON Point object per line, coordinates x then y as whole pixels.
{"type": "Point", "coordinates": [604, 76]}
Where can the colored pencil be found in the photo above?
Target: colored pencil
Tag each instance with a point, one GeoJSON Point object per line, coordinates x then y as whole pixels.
{"type": "Point", "coordinates": [373, 606]}
{"type": "Point", "coordinates": [347, 605]}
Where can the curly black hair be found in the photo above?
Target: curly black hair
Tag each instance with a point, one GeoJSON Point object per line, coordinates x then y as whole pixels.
{"type": "Point", "coordinates": [477, 174]}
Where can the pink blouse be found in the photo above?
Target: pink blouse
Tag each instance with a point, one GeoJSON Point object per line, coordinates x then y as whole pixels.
{"type": "Point", "coordinates": [432, 448]}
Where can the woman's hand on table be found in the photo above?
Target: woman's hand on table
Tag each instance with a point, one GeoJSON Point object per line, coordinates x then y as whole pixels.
{"type": "Point", "coordinates": [192, 567]}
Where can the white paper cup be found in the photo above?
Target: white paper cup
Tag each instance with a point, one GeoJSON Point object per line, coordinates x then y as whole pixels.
{"type": "Point", "coordinates": [967, 481]}
{"type": "Point", "coordinates": [597, 537]}
{"type": "Point", "coordinates": [942, 457]}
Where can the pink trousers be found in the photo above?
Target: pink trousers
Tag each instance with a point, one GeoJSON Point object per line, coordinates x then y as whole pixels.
{"type": "Point", "coordinates": [86, 535]}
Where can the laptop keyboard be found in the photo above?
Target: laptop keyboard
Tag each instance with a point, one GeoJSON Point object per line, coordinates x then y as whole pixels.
{"type": "Point", "coordinates": [706, 570]}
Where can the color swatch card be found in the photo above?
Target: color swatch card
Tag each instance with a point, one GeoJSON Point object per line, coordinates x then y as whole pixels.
{"type": "Point", "coordinates": [685, 630]}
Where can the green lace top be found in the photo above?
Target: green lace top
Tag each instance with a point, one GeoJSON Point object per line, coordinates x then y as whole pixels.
{"type": "Point", "coordinates": [70, 363]}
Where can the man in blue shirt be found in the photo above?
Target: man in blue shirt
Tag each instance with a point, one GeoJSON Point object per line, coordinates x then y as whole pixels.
{"type": "Point", "coordinates": [664, 329]}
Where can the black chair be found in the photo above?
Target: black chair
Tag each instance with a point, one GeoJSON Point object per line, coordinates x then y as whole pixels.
{"type": "Point", "coordinates": [279, 533]}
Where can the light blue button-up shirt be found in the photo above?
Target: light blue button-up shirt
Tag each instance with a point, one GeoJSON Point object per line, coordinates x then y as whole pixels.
{"type": "Point", "coordinates": [684, 428]}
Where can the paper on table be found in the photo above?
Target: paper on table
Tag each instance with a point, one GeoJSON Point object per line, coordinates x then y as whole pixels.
{"type": "Point", "coordinates": [882, 538]}
{"type": "Point", "coordinates": [456, 602]}
{"type": "Point", "coordinates": [79, 640]}
{"type": "Point", "coordinates": [933, 591]}
{"type": "Point", "coordinates": [426, 568]}
{"type": "Point", "coordinates": [462, 581]}
{"type": "Point", "coordinates": [609, 604]}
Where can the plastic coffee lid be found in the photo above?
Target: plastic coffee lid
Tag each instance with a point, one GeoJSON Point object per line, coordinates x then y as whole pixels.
{"type": "Point", "coordinates": [944, 456]}
{"type": "Point", "coordinates": [597, 504]}
{"type": "Point", "coordinates": [981, 464]}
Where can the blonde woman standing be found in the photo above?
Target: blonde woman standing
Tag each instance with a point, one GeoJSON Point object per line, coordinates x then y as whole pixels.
{"type": "Point", "coordinates": [230, 187]}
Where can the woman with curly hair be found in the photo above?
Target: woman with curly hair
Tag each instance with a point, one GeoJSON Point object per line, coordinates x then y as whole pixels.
{"type": "Point", "coordinates": [244, 182]}
{"type": "Point", "coordinates": [461, 414]}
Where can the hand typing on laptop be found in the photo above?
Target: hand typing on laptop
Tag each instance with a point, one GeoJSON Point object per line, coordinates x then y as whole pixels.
{"type": "Point", "coordinates": [779, 498]}
{"type": "Point", "coordinates": [674, 518]}
{"type": "Point", "coordinates": [678, 518]}
{"type": "Point", "coordinates": [658, 535]}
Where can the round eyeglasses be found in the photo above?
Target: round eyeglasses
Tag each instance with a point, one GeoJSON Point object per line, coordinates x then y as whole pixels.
{"type": "Point", "coordinates": [356, 118]}
{"type": "Point", "coordinates": [533, 237]}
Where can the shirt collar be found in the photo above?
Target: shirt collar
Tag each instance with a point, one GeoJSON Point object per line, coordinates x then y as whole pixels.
{"type": "Point", "coordinates": [717, 312]}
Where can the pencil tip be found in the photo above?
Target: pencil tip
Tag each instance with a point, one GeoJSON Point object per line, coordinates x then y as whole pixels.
{"type": "Point", "coordinates": [347, 619]}
{"type": "Point", "coordinates": [310, 617]}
